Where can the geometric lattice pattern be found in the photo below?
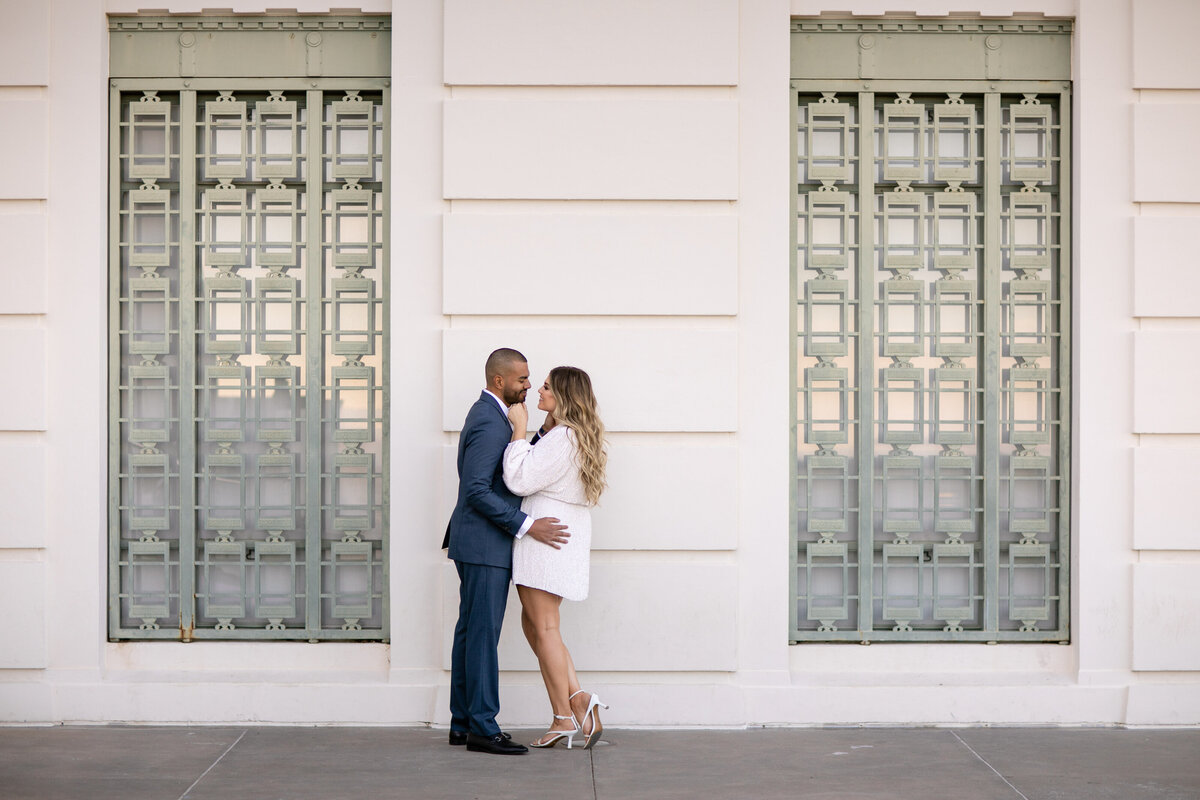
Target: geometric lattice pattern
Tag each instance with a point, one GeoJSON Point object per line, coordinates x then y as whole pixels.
{"type": "Point", "coordinates": [248, 361]}
{"type": "Point", "coordinates": [932, 363]}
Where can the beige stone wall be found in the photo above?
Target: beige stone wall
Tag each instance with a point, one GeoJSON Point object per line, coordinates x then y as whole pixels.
{"type": "Point", "coordinates": [1166, 375]}
{"type": "Point", "coordinates": [24, 189]}
{"type": "Point", "coordinates": [606, 184]}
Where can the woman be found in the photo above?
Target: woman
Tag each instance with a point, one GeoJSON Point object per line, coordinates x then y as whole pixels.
{"type": "Point", "coordinates": [561, 477]}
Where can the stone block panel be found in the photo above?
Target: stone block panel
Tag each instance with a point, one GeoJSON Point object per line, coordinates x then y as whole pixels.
{"type": "Point", "coordinates": [645, 264]}
{"type": "Point", "coordinates": [25, 43]}
{"type": "Point", "coordinates": [1166, 617]}
{"type": "Point", "coordinates": [24, 135]}
{"type": "Point", "coordinates": [23, 264]}
{"type": "Point", "coordinates": [23, 623]}
{"type": "Point", "coordinates": [23, 369]}
{"type": "Point", "coordinates": [1166, 277]}
{"type": "Point", "coordinates": [644, 379]}
{"type": "Point", "coordinates": [1164, 488]}
{"type": "Point", "coordinates": [1166, 382]}
{"type": "Point", "coordinates": [644, 615]}
{"type": "Point", "coordinates": [616, 43]}
{"type": "Point", "coordinates": [607, 149]}
{"type": "Point", "coordinates": [1166, 161]}
{"type": "Point", "coordinates": [1164, 44]}
{"type": "Point", "coordinates": [23, 509]}
{"type": "Point", "coordinates": [638, 511]}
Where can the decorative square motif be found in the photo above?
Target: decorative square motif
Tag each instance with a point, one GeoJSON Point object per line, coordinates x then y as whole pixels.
{"type": "Point", "coordinates": [249, 282]}
{"type": "Point", "coordinates": [932, 323]}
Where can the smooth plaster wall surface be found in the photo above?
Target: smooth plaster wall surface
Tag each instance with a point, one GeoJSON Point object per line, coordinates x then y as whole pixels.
{"type": "Point", "coordinates": [24, 181]}
{"type": "Point", "coordinates": [1166, 369]}
{"type": "Point", "coordinates": [674, 617]}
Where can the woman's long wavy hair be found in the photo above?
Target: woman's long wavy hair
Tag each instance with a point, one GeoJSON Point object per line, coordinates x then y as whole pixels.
{"type": "Point", "coordinates": [575, 407]}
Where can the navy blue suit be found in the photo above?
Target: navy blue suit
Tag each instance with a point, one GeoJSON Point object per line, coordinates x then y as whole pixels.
{"type": "Point", "coordinates": [480, 536]}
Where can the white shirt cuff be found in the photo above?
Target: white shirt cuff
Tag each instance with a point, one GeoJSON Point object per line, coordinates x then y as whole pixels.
{"type": "Point", "coordinates": [525, 527]}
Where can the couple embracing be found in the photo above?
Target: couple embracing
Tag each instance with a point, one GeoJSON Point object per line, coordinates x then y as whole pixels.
{"type": "Point", "coordinates": [522, 515]}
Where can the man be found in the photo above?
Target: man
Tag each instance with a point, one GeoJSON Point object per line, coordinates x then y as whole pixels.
{"type": "Point", "coordinates": [480, 536]}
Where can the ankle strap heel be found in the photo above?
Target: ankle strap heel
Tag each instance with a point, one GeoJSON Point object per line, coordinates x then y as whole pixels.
{"type": "Point", "coordinates": [558, 736]}
{"type": "Point", "coordinates": [590, 737]}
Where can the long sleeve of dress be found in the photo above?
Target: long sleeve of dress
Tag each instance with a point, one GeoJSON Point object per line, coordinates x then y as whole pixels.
{"type": "Point", "coordinates": [529, 469]}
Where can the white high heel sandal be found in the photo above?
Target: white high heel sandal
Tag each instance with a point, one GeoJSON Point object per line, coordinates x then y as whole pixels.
{"type": "Point", "coordinates": [593, 711]}
{"type": "Point", "coordinates": [558, 736]}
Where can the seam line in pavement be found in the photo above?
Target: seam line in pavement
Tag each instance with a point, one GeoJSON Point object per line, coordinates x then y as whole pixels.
{"type": "Point", "coordinates": [592, 764]}
{"type": "Point", "coordinates": [210, 766]}
{"type": "Point", "coordinates": [985, 763]}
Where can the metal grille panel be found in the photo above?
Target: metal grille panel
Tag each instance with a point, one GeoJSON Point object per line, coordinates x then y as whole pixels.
{"type": "Point", "coordinates": [931, 357]}
{"type": "Point", "coordinates": [248, 359]}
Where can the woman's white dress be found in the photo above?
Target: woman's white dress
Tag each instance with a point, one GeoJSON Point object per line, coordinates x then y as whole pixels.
{"type": "Point", "coordinates": [547, 476]}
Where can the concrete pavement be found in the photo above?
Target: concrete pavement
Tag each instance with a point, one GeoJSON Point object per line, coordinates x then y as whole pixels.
{"type": "Point", "coordinates": [340, 763]}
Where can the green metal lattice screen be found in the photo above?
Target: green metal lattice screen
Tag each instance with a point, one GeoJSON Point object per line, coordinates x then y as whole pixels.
{"type": "Point", "coordinates": [248, 358]}
{"type": "Point", "coordinates": [931, 361]}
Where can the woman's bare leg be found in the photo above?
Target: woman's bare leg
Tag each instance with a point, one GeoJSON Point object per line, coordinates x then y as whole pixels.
{"type": "Point", "coordinates": [572, 679]}
{"type": "Point", "coordinates": [542, 610]}
{"type": "Point", "coordinates": [531, 636]}
{"type": "Point", "coordinates": [527, 625]}
{"type": "Point", "coordinates": [579, 702]}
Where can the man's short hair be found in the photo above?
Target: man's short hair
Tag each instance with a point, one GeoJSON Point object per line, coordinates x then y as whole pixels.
{"type": "Point", "coordinates": [500, 361]}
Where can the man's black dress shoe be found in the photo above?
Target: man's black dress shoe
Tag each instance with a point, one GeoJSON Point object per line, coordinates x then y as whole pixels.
{"type": "Point", "coordinates": [500, 744]}
{"type": "Point", "coordinates": [459, 738]}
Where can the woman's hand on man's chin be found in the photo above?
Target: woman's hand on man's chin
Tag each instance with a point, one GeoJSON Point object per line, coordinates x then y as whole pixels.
{"type": "Point", "coordinates": [518, 415]}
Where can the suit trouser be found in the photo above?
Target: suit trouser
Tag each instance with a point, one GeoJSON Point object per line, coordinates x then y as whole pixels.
{"type": "Point", "coordinates": [474, 663]}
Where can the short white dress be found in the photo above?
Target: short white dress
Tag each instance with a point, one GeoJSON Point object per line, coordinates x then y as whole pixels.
{"type": "Point", "coordinates": [547, 476]}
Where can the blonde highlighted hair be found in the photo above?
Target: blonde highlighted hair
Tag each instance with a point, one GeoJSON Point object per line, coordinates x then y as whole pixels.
{"type": "Point", "coordinates": [575, 407]}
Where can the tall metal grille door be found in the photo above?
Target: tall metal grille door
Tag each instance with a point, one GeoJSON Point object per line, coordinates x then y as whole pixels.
{"type": "Point", "coordinates": [932, 361]}
{"type": "Point", "coordinates": [248, 359]}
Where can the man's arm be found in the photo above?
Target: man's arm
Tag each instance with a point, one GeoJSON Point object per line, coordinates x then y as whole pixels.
{"type": "Point", "coordinates": [481, 453]}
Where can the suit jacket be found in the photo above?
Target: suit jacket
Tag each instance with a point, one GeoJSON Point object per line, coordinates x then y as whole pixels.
{"type": "Point", "coordinates": [487, 515]}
